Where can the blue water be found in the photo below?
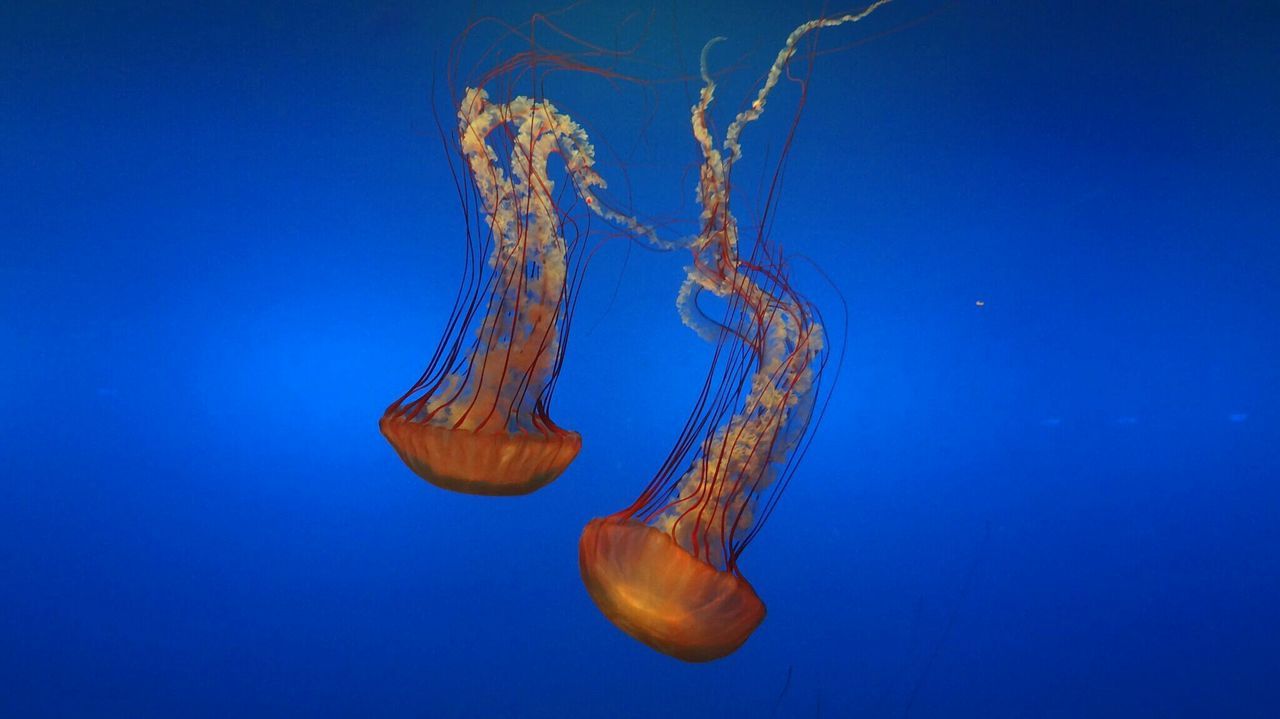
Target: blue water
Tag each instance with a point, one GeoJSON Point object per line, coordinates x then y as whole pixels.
{"type": "Point", "coordinates": [228, 239]}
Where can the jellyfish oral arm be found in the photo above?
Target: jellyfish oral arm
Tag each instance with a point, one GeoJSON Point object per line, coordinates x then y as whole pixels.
{"type": "Point", "coordinates": [779, 64]}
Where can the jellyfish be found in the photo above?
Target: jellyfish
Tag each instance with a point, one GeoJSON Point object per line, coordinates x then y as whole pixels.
{"type": "Point", "coordinates": [478, 420]}
{"type": "Point", "coordinates": [665, 569]}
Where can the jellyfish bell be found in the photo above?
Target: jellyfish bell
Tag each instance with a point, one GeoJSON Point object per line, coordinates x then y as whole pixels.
{"type": "Point", "coordinates": [660, 594]}
{"type": "Point", "coordinates": [485, 463]}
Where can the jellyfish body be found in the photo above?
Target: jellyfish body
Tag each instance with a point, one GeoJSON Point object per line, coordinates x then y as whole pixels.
{"type": "Point", "coordinates": [659, 593]}
{"type": "Point", "coordinates": [665, 569]}
{"type": "Point", "coordinates": [478, 420]}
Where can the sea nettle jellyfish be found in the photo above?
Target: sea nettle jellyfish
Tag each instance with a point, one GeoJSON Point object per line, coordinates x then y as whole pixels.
{"type": "Point", "coordinates": [478, 419]}
{"type": "Point", "coordinates": [665, 569]}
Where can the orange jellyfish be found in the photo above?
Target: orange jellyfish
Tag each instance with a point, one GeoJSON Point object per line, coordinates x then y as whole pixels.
{"type": "Point", "coordinates": [665, 569]}
{"type": "Point", "coordinates": [478, 420]}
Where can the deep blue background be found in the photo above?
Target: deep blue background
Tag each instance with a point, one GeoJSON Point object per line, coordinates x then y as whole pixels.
{"type": "Point", "coordinates": [228, 240]}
